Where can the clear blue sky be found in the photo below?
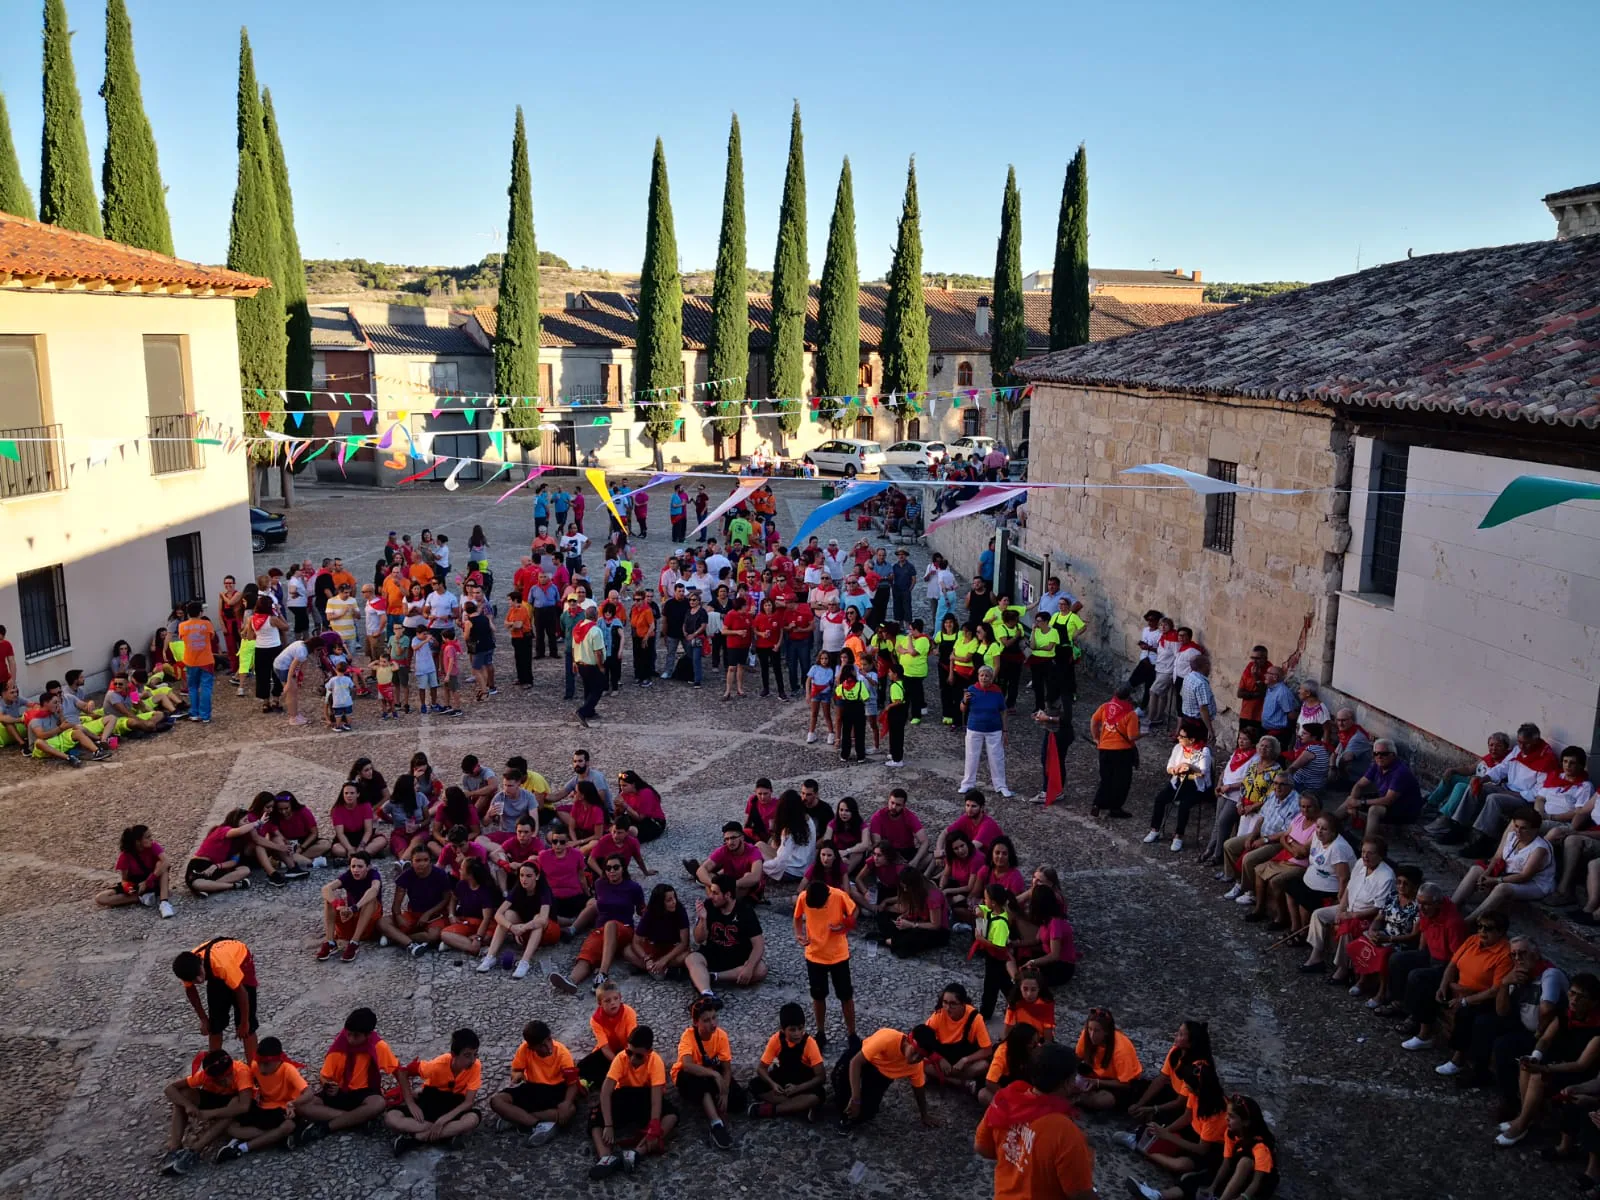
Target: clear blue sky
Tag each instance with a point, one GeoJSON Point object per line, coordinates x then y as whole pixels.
{"type": "Point", "coordinates": [1250, 140]}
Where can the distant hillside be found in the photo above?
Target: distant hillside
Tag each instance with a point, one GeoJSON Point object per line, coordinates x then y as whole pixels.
{"type": "Point", "coordinates": [1243, 293]}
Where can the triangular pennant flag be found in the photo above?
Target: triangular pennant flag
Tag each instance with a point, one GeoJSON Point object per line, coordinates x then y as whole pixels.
{"type": "Point", "coordinates": [468, 414]}
{"type": "Point", "coordinates": [497, 438]}
{"type": "Point", "coordinates": [8, 449]}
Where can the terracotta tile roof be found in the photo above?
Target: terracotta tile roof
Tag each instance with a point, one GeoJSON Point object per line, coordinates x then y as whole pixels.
{"type": "Point", "coordinates": [419, 339]}
{"type": "Point", "coordinates": [37, 255]}
{"type": "Point", "coordinates": [608, 320]}
{"type": "Point", "coordinates": [1509, 332]}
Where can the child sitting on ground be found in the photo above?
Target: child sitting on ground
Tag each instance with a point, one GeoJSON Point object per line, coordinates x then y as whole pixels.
{"type": "Point", "coordinates": [543, 1096]}
{"type": "Point", "coordinates": [204, 1103]}
{"type": "Point", "coordinates": [270, 1119]}
{"type": "Point", "coordinates": [443, 1109]}
{"type": "Point", "coordinates": [791, 1077]}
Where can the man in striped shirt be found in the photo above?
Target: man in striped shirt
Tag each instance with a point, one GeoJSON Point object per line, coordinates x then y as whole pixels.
{"type": "Point", "coordinates": [1197, 699]}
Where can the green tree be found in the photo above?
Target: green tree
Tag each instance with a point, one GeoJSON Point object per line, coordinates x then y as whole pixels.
{"type": "Point", "coordinates": [66, 181]}
{"type": "Point", "coordinates": [14, 197]}
{"type": "Point", "coordinates": [1009, 334]}
{"type": "Point", "coordinates": [729, 356]}
{"type": "Point", "coordinates": [905, 311]}
{"type": "Point", "coordinates": [134, 203]}
{"type": "Point", "coordinates": [292, 282]}
{"type": "Point", "coordinates": [516, 338]}
{"type": "Point", "coordinates": [839, 306]}
{"type": "Point", "coordinates": [1069, 290]}
{"type": "Point", "coordinates": [658, 358]}
{"type": "Point", "coordinates": [253, 247]}
{"type": "Point", "coordinates": [790, 285]}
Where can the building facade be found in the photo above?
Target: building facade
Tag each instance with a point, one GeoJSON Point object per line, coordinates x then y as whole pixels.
{"type": "Point", "coordinates": [112, 362]}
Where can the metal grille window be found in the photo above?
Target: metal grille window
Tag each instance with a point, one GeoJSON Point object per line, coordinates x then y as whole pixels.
{"type": "Point", "coordinates": [43, 596]}
{"type": "Point", "coordinates": [971, 422]}
{"type": "Point", "coordinates": [1388, 514]}
{"type": "Point", "coordinates": [1220, 508]}
{"type": "Point", "coordinates": [172, 444]}
{"type": "Point", "coordinates": [185, 572]}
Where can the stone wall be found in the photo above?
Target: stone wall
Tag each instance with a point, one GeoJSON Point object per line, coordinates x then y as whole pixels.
{"type": "Point", "coordinates": [1133, 549]}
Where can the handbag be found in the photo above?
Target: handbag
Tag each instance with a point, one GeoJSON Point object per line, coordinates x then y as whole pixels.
{"type": "Point", "coordinates": [1367, 957]}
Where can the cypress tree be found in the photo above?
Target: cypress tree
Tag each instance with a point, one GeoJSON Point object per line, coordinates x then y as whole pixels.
{"type": "Point", "coordinates": [839, 312]}
{"type": "Point", "coordinates": [791, 285]}
{"type": "Point", "coordinates": [905, 312]}
{"type": "Point", "coordinates": [66, 181]}
{"type": "Point", "coordinates": [134, 202]}
{"type": "Point", "coordinates": [516, 338]}
{"type": "Point", "coordinates": [1069, 289]}
{"type": "Point", "coordinates": [658, 358]}
{"type": "Point", "coordinates": [292, 282]}
{"type": "Point", "coordinates": [1009, 334]}
{"type": "Point", "coordinates": [14, 197]}
{"type": "Point", "coordinates": [729, 356]}
{"type": "Point", "coordinates": [253, 248]}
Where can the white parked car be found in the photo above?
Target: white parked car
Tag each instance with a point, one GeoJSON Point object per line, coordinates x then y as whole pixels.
{"type": "Point", "coordinates": [972, 444]}
{"type": "Point", "coordinates": [846, 456]}
{"type": "Point", "coordinates": [914, 454]}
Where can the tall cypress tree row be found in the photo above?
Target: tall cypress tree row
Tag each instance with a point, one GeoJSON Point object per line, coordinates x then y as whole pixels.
{"type": "Point", "coordinates": [1009, 335]}
{"type": "Point", "coordinates": [292, 282]}
{"type": "Point", "coordinates": [253, 247]}
{"type": "Point", "coordinates": [791, 285]}
{"type": "Point", "coordinates": [729, 356]}
{"type": "Point", "coordinates": [134, 203]}
{"type": "Point", "coordinates": [516, 338]}
{"type": "Point", "coordinates": [905, 312]}
{"type": "Point", "coordinates": [14, 197]}
{"type": "Point", "coordinates": [658, 358]}
{"type": "Point", "coordinates": [1069, 289]}
{"type": "Point", "coordinates": [839, 312]}
{"type": "Point", "coordinates": [66, 181]}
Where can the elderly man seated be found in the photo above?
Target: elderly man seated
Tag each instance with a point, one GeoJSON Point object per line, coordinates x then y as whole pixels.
{"type": "Point", "coordinates": [1387, 791]}
{"type": "Point", "coordinates": [1509, 785]}
{"type": "Point", "coordinates": [1456, 782]}
{"type": "Point", "coordinates": [1353, 754]}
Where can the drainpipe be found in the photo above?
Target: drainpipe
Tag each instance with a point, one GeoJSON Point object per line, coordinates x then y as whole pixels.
{"type": "Point", "coordinates": [1337, 540]}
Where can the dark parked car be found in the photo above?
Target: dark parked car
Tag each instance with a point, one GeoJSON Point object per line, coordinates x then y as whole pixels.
{"type": "Point", "coordinates": [267, 529]}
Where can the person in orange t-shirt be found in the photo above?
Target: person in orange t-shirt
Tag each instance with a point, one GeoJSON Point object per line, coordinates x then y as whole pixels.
{"type": "Point", "coordinates": [704, 1070]}
{"type": "Point", "coordinates": [1116, 1076]}
{"type": "Point", "coordinates": [1038, 1151]}
{"type": "Point", "coordinates": [228, 970]}
{"type": "Point", "coordinates": [205, 1102]}
{"type": "Point", "coordinates": [632, 1103]}
{"type": "Point", "coordinates": [823, 918]}
{"type": "Point", "coordinates": [612, 1024]}
{"type": "Point", "coordinates": [790, 1079]}
{"type": "Point", "coordinates": [443, 1108]}
{"type": "Point", "coordinates": [351, 1092]}
{"type": "Point", "coordinates": [1469, 985]}
{"type": "Point", "coordinates": [1115, 730]}
{"type": "Point", "coordinates": [1249, 1166]}
{"type": "Point", "coordinates": [543, 1095]}
{"type": "Point", "coordinates": [1192, 1143]}
{"type": "Point", "coordinates": [884, 1057]}
{"type": "Point", "coordinates": [965, 1047]}
{"type": "Point", "coordinates": [270, 1118]}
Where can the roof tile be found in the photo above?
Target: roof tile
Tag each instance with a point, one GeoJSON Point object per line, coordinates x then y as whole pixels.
{"type": "Point", "coordinates": [31, 249]}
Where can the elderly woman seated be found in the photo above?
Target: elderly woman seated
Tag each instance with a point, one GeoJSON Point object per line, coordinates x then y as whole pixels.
{"type": "Point", "coordinates": [1230, 777]}
{"type": "Point", "coordinates": [1323, 882]}
{"type": "Point", "coordinates": [1395, 926]}
{"type": "Point", "coordinates": [1368, 889]}
{"type": "Point", "coordinates": [1261, 826]}
{"type": "Point", "coordinates": [1467, 987]}
{"type": "Point", "coordinates": [1445, 799]}
{"type": "Point", "coordinates": [1287, 865]}
{"type": "Point", "coordinates": [1531, 1002]}
{"type": "Point", "coordinates": [1564, 1065]}
{"type": "Point", "coordinates": [1523, 868]}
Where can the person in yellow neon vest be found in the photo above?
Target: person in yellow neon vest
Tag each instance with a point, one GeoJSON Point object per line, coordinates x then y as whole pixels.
{"type": "Point", "coordinates": [851, 694]}
{"type": "Point", "coordinates": [948, 637]}
{"type": "Point", "coordinates": [913, 649]}
{"type": "Point", "coordinates": [1043, 648]}
{"type": "Point", "coordinates": [1066, 622]}
{"type": "Point", "coordinates": [1009, 633]}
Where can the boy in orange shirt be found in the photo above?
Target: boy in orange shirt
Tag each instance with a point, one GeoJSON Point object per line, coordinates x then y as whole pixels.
{"type": "Point", "coordinates": [703, 1073]}
{"type": "Point", "coordinates": [1038, 1152]}
{"type": "Point", "coordinates": [632, 1106]}
{"type": "Point", "coordinates": [543, 1095]}
{"type": "Point", "coordinates": [884, 1057]}
{"type": "Point", "coordinates": [790, 1078]}
{"type": "Point", "coordinates": [352, 1080]}
{"type": "Point", "coordinates": [270, 1119]}
{"type": "Point", "coordinates": [443, 1108]}
{"type": "Point", "coordinates": [823, 918]}
{"type": "Point", "coordinates": [612, 1024]}
{"type": "Point", "coordinates": [204, 1103]}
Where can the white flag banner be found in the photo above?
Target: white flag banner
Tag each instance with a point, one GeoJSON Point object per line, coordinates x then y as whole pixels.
{"type": "Point", "coordinates": [450, 483]}
{"type": "Point", "coordinates": [747, 488]}
{"type": "Point", "coordinates": [1206, 485]}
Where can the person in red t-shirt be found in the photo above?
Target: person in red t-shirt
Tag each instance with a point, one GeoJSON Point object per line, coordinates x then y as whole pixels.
{"type": "Point", "coordinates": [769, 626]}
{"type": "Point", "coordinates": [8, 660]}
{"type": "Point", "coordinates": [736, 632]}
{"type": "Point", "coordinates": [1252, 691]}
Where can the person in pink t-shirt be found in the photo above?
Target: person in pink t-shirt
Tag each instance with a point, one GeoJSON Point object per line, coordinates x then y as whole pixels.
{"type": "Point", "coordinates": [561, 864]}
{"type": "Point", "coordinates": [142, 873]}
{"type": "Point", "coordinates": [736, 857]}
{"type": "Point", "coordinates": [897, 827]}
{"type": "Point", "coordinates": [974, 822]}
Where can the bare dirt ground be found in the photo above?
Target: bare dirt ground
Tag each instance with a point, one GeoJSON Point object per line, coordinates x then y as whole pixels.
{"type": "Point", "coordinates": [93, 1024]}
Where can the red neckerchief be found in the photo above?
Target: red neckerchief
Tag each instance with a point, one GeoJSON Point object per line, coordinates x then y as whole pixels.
{"type": "Point", "coordinates": [343, 1045]}
{"type": "Point", "coordinates": [1189, 646]}
{"type": "Point", "coordinates": [1169, 636]}
{"type": "Point", "coordinates": [1492, 760]}
{"type": "Point", "coordinates": [581, 629]}
{"type": "Point", "coordinates": [1115, 710]}
{"type": "Point", "coordinates": [1541, 758]}
{"type": "Point", "coordinates": [1018, 1103]}
{"type": "Point", "coordinates": [1558, 781]}
{"type": "Point", "coordinates": [1344, 736]}
{"type": "Point", "coordinates": [1240, 757]}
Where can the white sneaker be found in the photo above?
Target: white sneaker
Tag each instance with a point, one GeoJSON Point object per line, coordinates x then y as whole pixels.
{"type": "Point", "coordinates": [811, 738]}
{"type": "Point", "coordinates": [1234, 892]}
{"type": "Point", "coordinates": [830, 739]}
{"type": "Point", "coordinates": [319, 862]}
{"type": "Point", "coordinates": [166, 908]}
{"type": "Point", "coordinates": [892, 763]}
{"type": "Point", "coordinates": [1448, 1067]}
{"type": "Point", "coordinates": [542, 1133]}
{"type": "Point", "coordinates": [1007, 793]}
{"type": "Point", "coordinates": [1244, 898]}
{"type": "Point", "coordinates": [1416, 1043]}
{"type": "Point", "coordinates": [1126, 1140]}
{"type": "Point", "coordinates": [522, 970]}
{"type": "Point", "coordinates": [485, 964]}
{"type": "Point", "coordinates": [383, 940]}
{"type": "Point", "coordinates": [1177, 844]}
{"type": "Point", "coordinates": [1152, 837]}
{"type": "Point", "coordinates": [1144, 1189]}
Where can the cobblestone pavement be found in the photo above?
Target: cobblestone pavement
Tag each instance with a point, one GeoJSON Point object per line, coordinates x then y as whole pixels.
{"type": "Point", "coordinates": [92, 1023]}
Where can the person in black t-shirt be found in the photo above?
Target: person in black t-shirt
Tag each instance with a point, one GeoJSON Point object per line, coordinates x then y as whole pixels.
{"type": "Point", "coordinates": [732, 949]}
{"type": "Point", "coordinates": [480, 644]}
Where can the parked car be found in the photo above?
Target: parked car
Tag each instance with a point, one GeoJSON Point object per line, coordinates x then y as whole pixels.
{"type": "Point", "coordinates": [846, 456]}
{"type": "Point", "coordinates": [972, 444]}
{"type": "Point", "coordinates": [914, 454]}
{"type": "Point", "coordinates": [267, 529]}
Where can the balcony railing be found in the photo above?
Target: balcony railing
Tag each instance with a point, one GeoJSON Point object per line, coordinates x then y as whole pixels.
{"type": "Point", "coordinates": [172, 445]}
{"type": "Point", "coordinates": [38, 467]}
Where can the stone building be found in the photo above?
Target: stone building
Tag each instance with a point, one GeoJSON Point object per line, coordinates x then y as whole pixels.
{"type": "Point", "coordinates": [1131, 287]}
{"type": "Point", "coordinates": [1400, 400]}
{"type": "Point", "coordinates": [1576, 210]}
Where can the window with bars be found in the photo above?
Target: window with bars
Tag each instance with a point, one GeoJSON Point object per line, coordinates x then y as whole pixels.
{"type": "Point", "coordinates": [186, 573]}
{"type": "Point", "coordinates": [43, 600]}
{"type": "Point", "coordinates": [1388, 516]}
{"type": "Point", "coordinates": [971, 422]}
{"type": "Point", "coordinates": [1220, 507]}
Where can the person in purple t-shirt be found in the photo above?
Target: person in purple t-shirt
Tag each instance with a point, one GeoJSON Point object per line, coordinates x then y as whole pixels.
{"type": "Point", "coordinates": [350, 908]}
{"type": "Point", "coordinates": [897, 827]}
{"type": "Point", "coordinates": [421, 892]}
{"type": "Point", "coordinates": [618, 900]}
{"type": "Point", "coordinates": [1387, 792]}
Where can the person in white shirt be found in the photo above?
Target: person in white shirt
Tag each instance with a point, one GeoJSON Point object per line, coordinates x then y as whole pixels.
{"type": "Point", "coordinates": [297, 593]}
{"type": "Point", "coordinates": [1166, 662]}
{"type": "Point", "coordinates": [1371, 886]}
{"type": "Point", "coordinates": [441, 606]}
{"type": "Point", "coordinates": [1188, 779]}
{"type": "Point", "coordinates": [1188, 651]}
{"type": "Point", "coordinates": [834, 561]}
{"type": "Point", "coordinates": [716, 560]}
{"type": "Point", "coordinates": [441, 555]}
{"type": "Point", "coordinates": [1523, 868]}
{"type": "Point", "coordinates": [1144, 671]}
{"type": "Point", "coordinates": [834, 622]}
{"type": "Point", "coordinates": [571, 546]}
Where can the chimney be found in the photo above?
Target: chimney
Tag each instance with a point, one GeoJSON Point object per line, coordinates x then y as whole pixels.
{"type": "Point", "coordinates": [1576, 210]}
{"type": "Point", "coordinates": [1196, 277]}
{"type": "Point", "coordinates": [571, 301]}
{"type": "Point", "coordinates": [980, 323]}
{"type": "Point", "coordinates": [1178, 271]}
